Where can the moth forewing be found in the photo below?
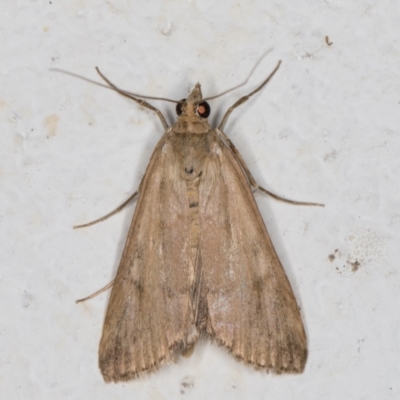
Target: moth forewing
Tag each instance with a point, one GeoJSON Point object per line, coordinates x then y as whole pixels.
{"type": "Point", "coordinates": [149, 313]}
{"type": "Point", "coordinates": [251, 306]}
{"type": "Point", "coordinates": [198, 260]}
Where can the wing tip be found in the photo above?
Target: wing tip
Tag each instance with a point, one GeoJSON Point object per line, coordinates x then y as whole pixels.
{"type": "Point", "coordinates": [119, 369]}
{"type": "Point", "coordinates": [118, 372]}
{"type": "Point", "coordinates": [284, 362]}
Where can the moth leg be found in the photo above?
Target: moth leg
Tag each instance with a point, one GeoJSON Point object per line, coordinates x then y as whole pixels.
{"type": "Point", "coordinates": [97, 293]}
{"type": "Point", "coordinates": [239, 158]}
{"type": "Point", "coordinates": [245, 98]}
{"type": "Point", "coordinates": [109, 214]}
{"type": "Point", "coordinates": [253, 182]}
{"type": "Point", "coordinates": [297, 203]}
{"type": "Point", "coordinates": [140, 101]}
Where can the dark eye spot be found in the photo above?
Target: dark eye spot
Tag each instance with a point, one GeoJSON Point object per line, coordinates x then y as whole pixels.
{"type": "Point", "coordinates": [189, 170]}
{"type": "Point", "coordinates": [203, 109]}
{"type": "Point", "coordinates": [179, 107]}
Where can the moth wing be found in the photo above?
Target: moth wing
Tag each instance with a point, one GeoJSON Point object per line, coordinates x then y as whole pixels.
{"type": "Point", "coordinates": [245, 293]}
{"type": "Point", "coordinates": [149, 317]}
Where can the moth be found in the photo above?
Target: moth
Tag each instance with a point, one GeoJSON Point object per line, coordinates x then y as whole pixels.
{"type": "Point", "coordinates": [198, 261]}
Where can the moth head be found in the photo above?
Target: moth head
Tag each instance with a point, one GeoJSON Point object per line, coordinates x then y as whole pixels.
{"type": "Point", "coordinates": [194, 104]}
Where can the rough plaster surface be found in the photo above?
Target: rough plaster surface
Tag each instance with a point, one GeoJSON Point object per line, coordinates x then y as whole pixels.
{"type": "Point", "coordinates": [325, 129]}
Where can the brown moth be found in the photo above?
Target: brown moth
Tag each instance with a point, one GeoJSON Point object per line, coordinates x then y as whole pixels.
{"type": "Point", "coordinates": [198, 260]}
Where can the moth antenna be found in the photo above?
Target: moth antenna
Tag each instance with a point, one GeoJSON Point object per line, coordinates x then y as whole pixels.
{"type": "Point", "coordinates": [110, 85]}
{"type": "Point", "coordinates": [118, 209]}
{"type": "Point", "coordinates": [245, 98]}
{"type": "Point", "coordinates": [240, 84]}
{"type": "Point", "coordinates": [125, 92]}
{"type": "Point", "coordinates": [130, 95]}
{"type": "Point", "coordinates": [83, 78]}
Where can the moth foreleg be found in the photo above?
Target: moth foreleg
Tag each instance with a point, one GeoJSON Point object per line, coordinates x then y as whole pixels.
{"type": "Point", "coordinates": [140, 101]}
{"type": "Point", "coordinates": [245, 98]}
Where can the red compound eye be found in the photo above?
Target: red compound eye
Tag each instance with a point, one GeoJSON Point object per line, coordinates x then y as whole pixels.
{"type": "Point", "coordinates": [203, 109]}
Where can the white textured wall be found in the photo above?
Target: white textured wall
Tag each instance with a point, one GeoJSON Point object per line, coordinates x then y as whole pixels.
{"type": "Point", "coordinates": [325, 129]}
